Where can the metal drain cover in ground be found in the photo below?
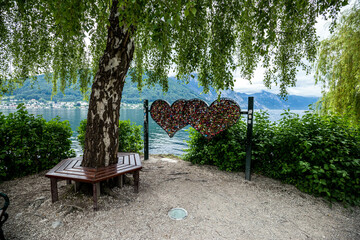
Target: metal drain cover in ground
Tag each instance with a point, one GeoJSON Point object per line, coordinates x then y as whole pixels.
{"type": "Point", "coordinates": [177, 213]}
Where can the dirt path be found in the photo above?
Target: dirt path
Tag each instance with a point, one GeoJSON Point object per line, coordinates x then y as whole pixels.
{"type": "Point", "coordinates": [220, 205]}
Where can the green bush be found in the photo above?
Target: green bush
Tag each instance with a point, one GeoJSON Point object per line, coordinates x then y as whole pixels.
{"type": "Point", "coordinates": [30, 144]}
{"type": "Point", "coordinates": [129, 136]}
{"type": "Point", "coordinates": [229, 145]}
{"type": "Point", "coordinates": [318, 154]}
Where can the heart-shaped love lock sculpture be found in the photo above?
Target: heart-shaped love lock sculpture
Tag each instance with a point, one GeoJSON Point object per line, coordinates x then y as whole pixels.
{"type": "Point", "coordinates": [170, 118]}
{"type": "Point", "coordinates": [212, 120]}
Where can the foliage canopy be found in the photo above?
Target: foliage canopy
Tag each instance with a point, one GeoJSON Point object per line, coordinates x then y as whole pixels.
{"type": "Point", "coordinates": [209, 37]}
{"type": "Point", "coordinates": [338, 67]}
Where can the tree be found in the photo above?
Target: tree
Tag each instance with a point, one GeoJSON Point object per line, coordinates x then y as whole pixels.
{"type": "Point", "coordinates": [338, 67]}
{"type": "Point", "coordinates": [209, 37]}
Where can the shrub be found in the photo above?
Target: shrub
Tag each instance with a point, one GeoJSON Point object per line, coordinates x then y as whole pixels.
{"type": "Point", "coordinates": [129, 136]}
{"type": "Point", "coordinates": [226, 148]}
{"type": "Point", "coordinates": [229, 145]}
{"type": "Point", "coordinates": [318, 154]}
{"type": "Point", "coordinates": [30, 144]}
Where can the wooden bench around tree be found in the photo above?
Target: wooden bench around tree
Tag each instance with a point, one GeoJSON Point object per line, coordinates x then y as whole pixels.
{"type": "Point", "coordinates": [70, 169]}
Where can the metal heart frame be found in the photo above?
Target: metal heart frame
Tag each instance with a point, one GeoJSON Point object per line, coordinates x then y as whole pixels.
{"type": "Point", "coordinates": [207, 120]}
{"type": "Point", "coordinates": [214, 119]}
{"type": "Point", "coordinates": [172, 117]}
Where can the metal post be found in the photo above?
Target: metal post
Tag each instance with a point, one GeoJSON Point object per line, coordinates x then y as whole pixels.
{"type": "Point", "coordinates": [250, 119]}
{"type": "Point", "coordinates": [146, 130]}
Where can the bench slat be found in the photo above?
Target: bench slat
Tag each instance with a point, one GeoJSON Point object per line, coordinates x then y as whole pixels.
{"type": "Point", "coordinates": [112, 174]}
{"type": "Point", "coordinates": [137, 160]}
{"type": "Point", "coordinates": [132, 160]}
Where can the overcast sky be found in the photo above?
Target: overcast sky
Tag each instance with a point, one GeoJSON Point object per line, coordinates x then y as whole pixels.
{"type": "Point", "coordinates": [305, 85]}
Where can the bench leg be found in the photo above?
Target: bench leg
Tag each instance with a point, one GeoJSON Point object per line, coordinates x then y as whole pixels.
{"type": "Point", "coordinates": [76, 186]}
{"type": "Point", "coordinates": [120, 181]}
{"type": "Point", "coordinates": [2, 237]}
{"type": "Point", "coordinates": [136, 181]}
{"type": "Point", "coordinates": [96, 194]}
{"type": "Point", "coordinates": [54, 189]}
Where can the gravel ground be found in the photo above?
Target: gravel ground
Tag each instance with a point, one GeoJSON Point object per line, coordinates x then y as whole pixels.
{"type": "Point", "coordinates": [220, 205]}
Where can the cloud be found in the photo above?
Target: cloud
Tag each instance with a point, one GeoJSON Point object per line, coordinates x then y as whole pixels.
{"type": "Point", "coordinates": [322, 28]}
{"type": "Point", "coordinates": [306, 91]}
{"type": "Point", "coordinates": [305, 85]}
{"type": "Point", "coordinates": [256, 85]}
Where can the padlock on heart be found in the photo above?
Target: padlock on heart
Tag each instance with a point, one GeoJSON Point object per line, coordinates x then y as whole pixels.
{"type": "Point", "coordinates": [207, 120]}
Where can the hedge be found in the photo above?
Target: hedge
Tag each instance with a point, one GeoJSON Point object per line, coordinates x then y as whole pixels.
{"type": "Point", "coordinates": [320, 155]}
{"type": "Point", "coordinates": [30, 144]}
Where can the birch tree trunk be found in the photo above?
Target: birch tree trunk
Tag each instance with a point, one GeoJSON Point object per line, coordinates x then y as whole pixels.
{"type": "Point", "coordinates": [101, 139]}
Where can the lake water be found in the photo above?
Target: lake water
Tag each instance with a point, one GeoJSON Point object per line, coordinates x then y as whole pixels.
{"type": "Point", "coordinates": [159, 141]}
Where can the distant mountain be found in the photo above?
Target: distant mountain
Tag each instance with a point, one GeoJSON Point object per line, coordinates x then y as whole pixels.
{"type": "Point", "coordinates": [262, 100]}
{"type": "Point", "coordinates": [177, 90]}
{"type": "Point", "coordinates": [41, 90]}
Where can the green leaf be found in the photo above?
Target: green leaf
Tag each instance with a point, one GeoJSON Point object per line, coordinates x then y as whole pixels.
{"type": "Point", "coordinates": [186, 12]}
{"type": "Point", "coordinates": [193, 10]}
{"type": "Point", "coordinates": [323, 181]}
{"type": "Point", "coordinates": [326, 167]}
